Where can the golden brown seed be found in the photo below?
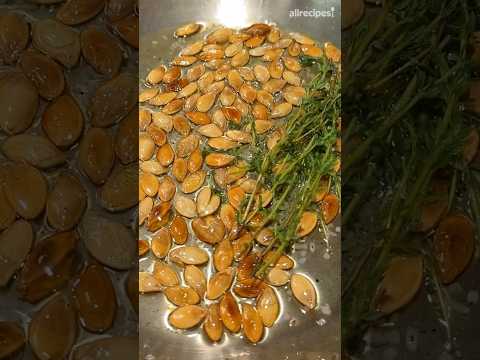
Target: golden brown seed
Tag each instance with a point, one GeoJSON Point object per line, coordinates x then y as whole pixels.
{"type": "Point", "coordinates": [75, 12]}
{"type": "Point", "coordinates": [205, 81]}
{"type": "Point", "coordinates": [219, 36]}
{"type": "Point", "coordinates": [179, 230]}
{"type": "Point", "coordinates": [193, 182]}
{"type": "Point", "coordinates": [274, 35]}
{"type": "Point", "coordinates": [294, 94]}
{"type": "Point", "coordinates": [53, 329]}
{"type": "Point", "coordinates": [187, 145]}
{"type": "Point", "coordinates": [144, 208]}
{"type": "Point", "coordinates": [165, 274]}
{"type": "Point", "coordinates": [195, 278]}
{"type": "Point", "coordinates": [219, 119]}
{"type": "Point", "coordinates": [173, 107]}
{"type": "Point", "coordinates": [198, 118]}
{"type": "Point", "coordinates": [153, 166]}
{"type": "Point", "coordinates": [66, 202]}
{"type": "Point", "coordinates": [232, 114]}
{"type": "Point", "coordinates": [261, 73]}
{"type": "Point", "coordinates": [242, 106]}
{"type": "Point", "coordinates": [228, 215]}
{"type": "Point", "coordinates": [240, 136]}
{"type": "Point", "coordinates": [265, 98]}
{"type": "Point", "coordinates": [165, 154]}
{"type": "Point", "coordinates": [187, 30]}
{"type": "Point", "coordinates": [189, 255]}
{"type": "Point", "coordinates": [401, 281]}
{"type": "Point", "coordinates": [95, 300]}
{"type": "Point", "coordinates": [302, 39]}
{"type": "Point", "coordinates": [272, 54]}
{"type": "Point", "coordinates": [147, 283]}
{"type": "Point", "coordinates": [222, 143]}
{"type": "Point", "coordinates": [238, 37]}
{"type": "Point", "coordinates": [166, 188]}
{"type": "Point", "coordinates": [15, 244]}
{"type": "Point", "coordinates": [181, 125]}
{"type": "Point", "coordinates": [230, 313]}
{"type": "Point", "coordinates": [216, 88]}
{"type": "Point", "coordinates": [172, 74]}
{"type": "Point", "coordinates": [292, 78]}
{"type": "Point", "coordinates": [144, 119]}
{"type": "Point", "coordinates": [236, 172]}
{"type": "Point", "coordinates": [156, 75]}
{"type": "Point", "coordinates": [216, 160]}
{"type": "Point", "coordinates": [44, 72]}
{"type": "Point", "coordinates": [209, 229]}
{"type": "Point", "coordinates": [273, 85]}
{"type": "Point", "coordinates": [265, 236]}
{"type": "Point", "coordinates": [332, 52]}
{"type": "Point", "coordinates": [187, 316]}
{"type": "Point", "coordinates": [207, 202]}
{"type": "Point", "coordinates": [234, 79]}
{"type": "Point", "coordinates": [294, 49]}
{"type": "Point", "coordinates": [235, 196]}
{"type": "Point", "coordinates": [187, 90]}
{"type": "Point", "coordinates": [179, 169]}
{"type": "Point", "coordinates": [101, 51]}
{"type": "Point", "coordinates": [163, 121]}
{"type": "Point", "coordinates": [210, 130]}
{"type": "Point", "coordinates": [195, 161]}
{"type": "Point", "coordinates": [114, 100]}
{"type": "Point", "coordinates": [281, 110]}
{"type": "Point", "coordinates": [233, 49]}
{"type": "Point", "coordinates": [205, 102]}
{"type": "Point", "coordinates": [260, 111]}
{"type": "Point", "coordinates": [330, 207]}
{"type": "Point", "coordinates": [220, 283]}
{"type": "Point", "coordinates": [184, 60]}
{"type": "Point", "coordinates": [64, 46]}
{"type": "Point", "coordinates": [33, 149]}
{"type": "Point", "coordinates": [27, 190]}
{"type": "Point", "coordinates": [195, 72]}
{"type": "Point", "coordinates": [192, 49]}
{"type": "Point", "coordinates": [257, 29]}
{"type": "Point", "coordinates": [19, 95]}
{"type": "Point", "coordinates": [146, 145]}
{"type": "Point", "coordinates": [185, 206]}
{"type": "Point", "coordinates": [213, 325]}
{"type": "Point", "coordinates": [303, 290]}
{"type": "Point", "coordinates": [252, 323]}
{"type": "Point", "coordinates": [223, 255]}
{"type": "Point", "coordinates": [307, 223]}
{"type": "Point", "coordinates": [254, 41]}
{"type": "Point", "coordinates": [278, 277]}
{"type": "Point", "coordinates": [275, 68]}
{"type": "Point", "coordinates": [181, 296]}
{"type": "Point", "coordinates": [283, 43]}
{"type": "Point", "coordinates": [261, 50]}
{"type": "Point", "coordinates": [242, 245]}
{"type": "Point", "coordinates": [312, 50]}
{"type": "Point", "coordinates": [159, 216]}
{"type": "Point", "coordinates": [161, 243]}
{"type": "Point", "coordinates": [268, 306]}
{"type": "Point", "coordinates": [248, 93]}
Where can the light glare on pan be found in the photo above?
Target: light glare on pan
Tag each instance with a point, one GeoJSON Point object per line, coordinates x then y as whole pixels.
{"type": "Point", "coordinates": [232, 13]}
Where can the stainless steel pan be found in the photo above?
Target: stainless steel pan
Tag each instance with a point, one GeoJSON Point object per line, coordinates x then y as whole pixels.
{"type": "Point", "coordinates": [297, 335]}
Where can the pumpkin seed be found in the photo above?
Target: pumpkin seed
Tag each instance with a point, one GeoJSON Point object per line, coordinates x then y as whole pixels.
{"type": "Point", "coordinates": [63, 121]}
{"type": "Point", "coordinates": [189, 255]}
{"type": "Point", "coordinates": [248, 93]}
{"type": "Point", "coordinates": [228, 215]}
{"type": "Point", "coordinates": [278, 277]}
{"type": "Point", "coordinates": [265, 98]}
{"type": "Point", "coordinates": [281, 110]}
{"type": "Point", "coordinates": [216, 160]}
{"type": "Point", "coordinates": [195, 161]}
{"type": "Point", "coordinates": [240, 136]}
{"type": "Point", "coordinates": [187, 30]}
{"type": "Point", "coordinates": [165, 155]}
{"type": "Point", "coordinates": [268, 306]}
{"type": "Point", "coordinates": [185, 206]}
{"type": "Point", "coordinates": [272, 86]}
{"type": "Point", "coordinates": [163, 121]}
{"type": "Point", "coordinates": [144, 208]}
{"type": "Point", "coordinates": [66, 202]}
{"type": "Point", "coordinates": [173, 106]}
{"type": "Point", "coordinates": [147, 283]}
{"type": "Point", "coordinates": [260, 51]}
{"type": "Point", "coordinates": [48, 267]}
{"type": "Point", "coordinates": [219, 36]}
{"type": "Point", "coordinates": [187, 316]}
{"type": "Point", "coordinates": [198, 118]}
{"type": "Point", "coordinates": [330, 207]}
{"type": "Point", "coordinates": [149, 184]}
{"type": "Point", "coordinates": [272, 54]}
{"type": "Point", "coordinates": [207, 203]}
{"type": "Point", "coordinates": [187, 90]}
{"type": "Point", "coordinates": [275, 68]}
{"type": "Point", "coordinates": [192, 49]}
{"type": "Point", "coordinates": [332, 52]}
{"type": "Point", "coordinates": [187, 145]}
{"type": "Point", "coordinates": [53, 329]}
{"type": "Point", "coordinates": [155, 76]}
{"type": "Point", "coordinates": [236, 195]}
{"type": "Point", "coordinates": [27, 190]}
{"type": "Point", "coordinates": [242, 245]}
{"type": "Point", "coordinates": [195, 72]}
{"type": "Point", "coordinates": [101, 50]}
{"type": "Point", "coordinates": [223, 255]}
{"type": "Point", "coordinates": [153, 98]}
{"type": "Point", "coordinates": [265, 237]}
{"type": "Point", "coordinates": [292, 78]}
{"type": "Point", "coordinates": [127, 29]}
{"type": "Point", "coordinates": [111, 243]}
{"type": "Point", "coordinates": [193, 182]}
{"type": "Point", "coordinates": [180, 169]}
{"type": "Point", "coordinates": [63, 47]}
{"type": "Point", "coordinates": [219, 283]}
{"type": "Point", "coordinates": [274, 35]}
{"type": "Point", "coordinates": [15, 244]}
{"type": "Point", "coordinates": [234, 79]}
{"type": "Point", "coordinates": [144, 119]}
{"type": "Point", "coordinates": [15, 35]}
{"type": "Point", "coordinates": [294, 94]}
{"type": "Point", "coordinates": [19, 95]}
{"type": "Point", "coordinates": [213, 325]}
{"type": "Point", "coordinates": [400, 283]}
{"type": "Point", "coordinates": [33, 149]}
{"type": "Point", "coordinates": [303, 290]}
{"type": "Point", "coordinates": [74, 12]}
{"type": "Point", "coordinates": [161, 243]}
{"type": "Point", "coordinates": [302, 39]}
{"type": "Point", "coordinates": [166, 188]}
{"type": "Point", "coordinates": [159, 216]}
{"type": "Point", "coordinates": [230, 313]}
{"type": "Point", "coordinates": [118, 193]}
{"type": "Point", "coordinates": [95, 300]}
{"type": "Point", "coordinates": [153, 166]}
{"type": "Point", "coordinates": [254, 41]}
{"type": "Point", "coordinates": [195, 278]}
{"type": "Point", "coordinates": [179, 230]}
{"type": "Point", "coordinates": [292, 64]}
{"type": "Point", "coordinates": [182, 296]}
{"type": "Point", "coordinates": [307, 223]}
{"type": "Point", "coordinates": [205, 102]}
{"type": "Point", "coordinates": [184, 60]}
{"type": "Point", "coordinates": [261, 73]}
{"type": "Point", "coordinates": [44, 72]}
{"type": "Point", "coordinates": [172, 74]}
{"type": "Point", "coordinates": [257, 29]}
{"type": "Point", "coordinates": [96, 155]}
{"type": "Point", "coordinates": [209, 229]}
{"type": "Point", "coordinates": [252, 323]}
{"type": "Point", "coordinates": [165, 274]}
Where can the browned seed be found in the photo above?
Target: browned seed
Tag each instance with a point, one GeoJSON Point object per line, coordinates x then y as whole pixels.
{"type": "Point", "coordinates": [161, 243]}
{"type": "Point", "coordinates": [156, 75]}
{"type": "Point", "coordinates": [209, 229]}
{"type": "Point", "coordinates": [180, 169]}
{"type": "Point", "coordinates": [230, 313]}
{"type": "Point", "coordinates": [179, 230]}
